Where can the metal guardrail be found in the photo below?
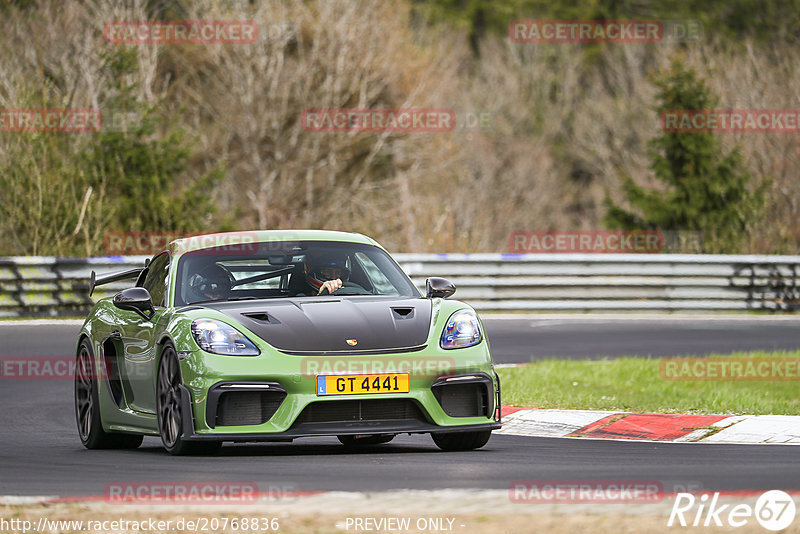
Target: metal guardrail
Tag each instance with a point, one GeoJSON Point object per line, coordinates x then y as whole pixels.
{"type": "Point", "coordinates": [616, 282]}
{"type": "Point", "coordinates": [46, 286]}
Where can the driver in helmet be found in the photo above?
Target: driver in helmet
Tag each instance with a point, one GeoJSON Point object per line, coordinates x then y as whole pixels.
{"type": "Point", "coordinates": [328, 274]}
{"type": "Point", "coordinates": [210, 283]}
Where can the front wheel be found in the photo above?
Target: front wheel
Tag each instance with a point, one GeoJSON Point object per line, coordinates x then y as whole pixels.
{"type": "Point", "coordinates": [87, 407]}
{"type": "Point", "coordinates": [169, 410]}
{"type": "Point", "coordinates": [461, 441]}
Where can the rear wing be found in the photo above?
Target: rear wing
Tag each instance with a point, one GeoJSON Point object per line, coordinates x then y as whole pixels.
{"type": "Point", "coordinates": [130, 274]}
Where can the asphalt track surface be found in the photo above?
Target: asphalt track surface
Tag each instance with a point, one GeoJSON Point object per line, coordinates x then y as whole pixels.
{"type": "Point", "coordinates": [40, 453]}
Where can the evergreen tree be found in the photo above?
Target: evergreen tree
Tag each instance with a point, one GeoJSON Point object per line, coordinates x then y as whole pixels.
{"type": "Point", "coordinates": [707, 190]}
{"type": "Point", "coordinates": [141, 166]}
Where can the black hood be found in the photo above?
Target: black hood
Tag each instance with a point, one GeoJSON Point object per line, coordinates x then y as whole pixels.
{"type": "Point", "coordinates": [324, 324]}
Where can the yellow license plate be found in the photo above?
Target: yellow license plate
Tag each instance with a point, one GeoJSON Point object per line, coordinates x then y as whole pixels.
{"type": "Point", "coordinates": [360, 384]}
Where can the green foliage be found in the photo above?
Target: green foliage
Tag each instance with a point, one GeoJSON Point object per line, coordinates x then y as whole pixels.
{"type": "Point", "coordinates": [141, 170]}
{"type": "Point", "coordinates": [120, 181]}
{"type": "Point", "coordinates": [477, 17]}
{"type": "Point", "coordinates": [706, 190]}
{"type": "Point", "coordinates": [42, 194]}
{"type": "Point", "coordinates": [7, 6]}
{"type": "Point", "coordinates": [141, 166]}
{"type": "Point", "coordinates": [766, 20]}
{"type": "Point", "coordinates": [246, 102]}
{"type": "Point", "coordinates": [60, 192]}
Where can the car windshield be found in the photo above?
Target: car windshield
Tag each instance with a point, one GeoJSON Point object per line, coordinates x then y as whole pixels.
{"type": "Point", "coordinates": [288, 269]}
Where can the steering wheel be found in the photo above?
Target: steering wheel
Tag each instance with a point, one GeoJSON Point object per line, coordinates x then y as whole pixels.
{"type": "Point", "coordinates": [348, 287]}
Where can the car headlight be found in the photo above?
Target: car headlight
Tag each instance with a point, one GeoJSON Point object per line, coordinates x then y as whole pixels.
{"type": "Point", "coordinates": [462, 330]}
{"type": "Point", "coordinates": [220, 338]}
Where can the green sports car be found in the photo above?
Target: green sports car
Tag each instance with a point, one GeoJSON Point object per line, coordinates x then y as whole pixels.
{"type": "Point", "coordinates": [277, 335]}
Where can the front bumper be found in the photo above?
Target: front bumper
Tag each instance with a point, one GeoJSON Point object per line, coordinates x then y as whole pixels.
{"type": "Point", "coordinates": [338, 428]}
{"type": "Point", "coordinates": [324, 429]}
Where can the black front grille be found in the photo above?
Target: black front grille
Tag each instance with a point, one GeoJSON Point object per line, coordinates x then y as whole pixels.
{"type": "Point", "coordinates": [360, 410]}
{"type": "Point", "coordinates": [247, 407]}
{"type": "Point", "coordinates": [463, 400]}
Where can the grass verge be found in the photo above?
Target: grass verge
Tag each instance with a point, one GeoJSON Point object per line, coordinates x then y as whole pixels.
{"type": "Point", "coordinates": [636, 384]}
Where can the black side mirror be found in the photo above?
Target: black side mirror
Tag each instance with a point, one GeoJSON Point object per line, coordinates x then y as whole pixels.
{"type": "Point", "coordinates": [439, 287]}
{"type": "Point", "coordinates": [135, 299]}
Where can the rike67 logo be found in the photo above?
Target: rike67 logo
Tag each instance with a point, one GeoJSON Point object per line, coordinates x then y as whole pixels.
{"type": "Point", "coordinates": [774, 510]}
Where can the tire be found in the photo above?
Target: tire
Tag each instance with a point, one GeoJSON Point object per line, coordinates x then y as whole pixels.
{"type": "Point", "coordinates": [169, 409]}
{"type": "Point", "coordinates": [87, 407]}
{"type": "Point", "coordinates": [372, 439]}
{"type": "Point", "coordinates": [461, 441]}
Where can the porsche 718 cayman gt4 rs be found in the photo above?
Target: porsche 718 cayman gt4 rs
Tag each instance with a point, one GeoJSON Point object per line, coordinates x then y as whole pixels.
{"type": "Point", "coordinates": [278, 335]}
